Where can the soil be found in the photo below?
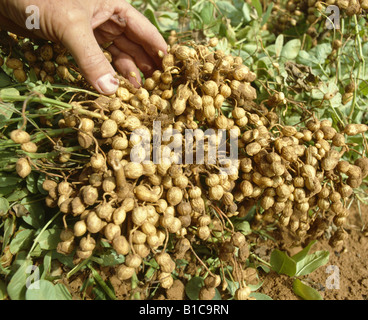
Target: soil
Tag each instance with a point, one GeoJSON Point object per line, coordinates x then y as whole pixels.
{"type": "Point", "coordinates": [348, 263]}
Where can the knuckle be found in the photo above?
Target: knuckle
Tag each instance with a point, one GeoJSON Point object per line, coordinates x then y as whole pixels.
{"type": "Point", "coordinates": [74, 16]}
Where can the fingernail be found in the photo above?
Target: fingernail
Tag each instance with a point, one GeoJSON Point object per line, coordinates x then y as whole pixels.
{"type": "Point", "coordinates": [137, 83]}
{"type": "Point", "coordinates": [107, 84]}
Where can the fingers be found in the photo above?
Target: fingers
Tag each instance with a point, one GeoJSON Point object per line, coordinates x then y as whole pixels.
{"type": "Point", "coordinates": [80, 40]}
{"type": "Point", "coordinates": [125, 64]}
{"type": "Point", "coordinates": [142, 32]}
{"type": "Point", "coordinates": [111, 32]}
{"type": "Point", "coordinates": [141, 58]}
{"type": "Point", "coordinates": [107, 32]}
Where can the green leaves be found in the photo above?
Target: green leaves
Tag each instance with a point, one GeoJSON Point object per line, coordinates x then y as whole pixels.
{"type": "Point", "coordinates": [291, 49]}
{"type": "Point", "coordinates": [282, 263]}
{"type": "Point", "coordinates": [151, 17]}
{"type": "Point", "coordinates": [36, 212]}
{"type": "Point", "coordinates": [300, 264]}
{"type": "Point", "coordinates": [17, 285]}
{"type": "Point", "coordinates": [106, 289]}
{"type": "Point", "coordinates": [6, 111]}
{"type": "Point", "coordinates": [3, 293]}
{"type": "Point", "coordinates": [279, 43]}
{"type": "Point", "coordinates": [5, 94]}
{"type": "Point", "coordinates": [28, 283]}
{"type": "Point", "coordinates": [312, 262]}
{"type": "Point", "coordinates": [46, 290]}
{"type": "Point", "coordinates": [8, 180]}
{"type": "Point", "coordinates": [243, 226]}
{"type": "Point", "coordinates": [193, 287]}
{"type": "Point", "coordinates": [258, 6]}
{"type": "Point", "coordinates": [207, 12]}
{"type": "Point", "coordinates": [305, 292]}
{"type": "Point", "coordinates": [5, 80]}
{"type": "Point", "coordinates": [4, 206]}
{"type": "Point", "coordinates": [22, 240]}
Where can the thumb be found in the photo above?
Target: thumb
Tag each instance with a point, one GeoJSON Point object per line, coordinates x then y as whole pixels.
{"type": "Point", "coordinates": [79, 39]}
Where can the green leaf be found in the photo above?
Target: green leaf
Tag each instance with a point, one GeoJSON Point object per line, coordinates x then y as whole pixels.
{"type": "Point", "coordinates": [207, 12]}
{"type": "Point", "coordinates": [41, 290]}
{"type": "Point", "coordinates": [4, 93]}
{"type": "Point", "coordinates": [255, 287]}
{"type": "Point", "coordinates": [312, 262]}
{"type": "Point", "coordinates": [151, 17]}
{"type": "Point", "coordinates": [230, 34]}
{"type": "Point", "coordinates": [303, 253]}
{"type": "Point", "coordinates": [243, 227]}
{"type": "Point", "coordinates": [363, 88]}
{"type": "Point", "coordinates": [279, 43]}
{"type": "Point", "coordinates": [32, 76]}
{"type": "Point", "coordinates": [6, 181]}
{"type": "Point", "coordinates": [6, 111]}
{"type": "Point", "coordinates": [9, 227]}
{"type": "Point", "coordinates": [260, 296]}
{"type": "Point", "coordinates": [305, 292]}
{"type": "Point", "coordinates": [262, 69]}
{"type": "Point", "coordinates": [111, 259]}
{"type": "Point", "coordinates": [49, 239]}
{"type": "Point", "coordinates": [4, 191]}
{"type": "Point", "coordinates": [5, 80]}
{"type": "Point", "coordinates": [40, 180]}
{"type": "Point", "coordinates": [3, 293]}
{"type": "Point", "coordinates": [282, 263]}
{"type": "Point", "coordinates": [110, 292]}
{"type": "Point", "coordinates": [22, 240]}
{"type": "Point", "coordinates": [46, 290]}
{"type": "Point", "coordinates": [246, 12]}
{"type": "Point", "coordinates": [267, 14]}
{"type": "Point", "coordinates": [66, 260]}
{"type": "Point", "coordinates": [4, 206]}
{"type": "Point", "coordinates": [31, 181]}
{"type": "Point", "coordinates": [62, 292]}
{"type": "Point", "coordinates": [229, 11]}
{"type": "Point", "coordinates": [18, 195]}
{"type": "Point", "coordinates": [322, 51]}
{"type": "Point", "coordinates": [217, 295]}
{"type": "Point", "coordinates": [47, 260]}
{"type": "Point", "coordinates": [36, 213]}
{"type": "Point", "coordinates": [193, 287]}
{"type": "Point", "coordinates": [291, 49]}
{"type": "Point", "coordinates": [232, 286]}
{"type": "Point", "coordinates": [17, 285]}
{"type": "Point", "coordinates": [258, 6]}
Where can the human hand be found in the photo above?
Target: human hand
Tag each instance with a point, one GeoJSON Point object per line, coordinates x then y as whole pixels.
{"type": "Point", "coordinates": [81, 26]}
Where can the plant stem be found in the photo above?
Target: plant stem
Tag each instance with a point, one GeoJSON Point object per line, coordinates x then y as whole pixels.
{"type": "Point", "coordinates": [77, 268]}
{"type": "Point", "coordinates": [360, 65]}
{"type": "Point", "coordinates": [35, 242]}
{"type": "Point", "coordinates": [261, 260]}
{"type": "Point", "coordinates": [44, 100]}
{"type": "Point", "coordinates": [50, 155]}
{"type": "Point", "coordinates": [102, 283]}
